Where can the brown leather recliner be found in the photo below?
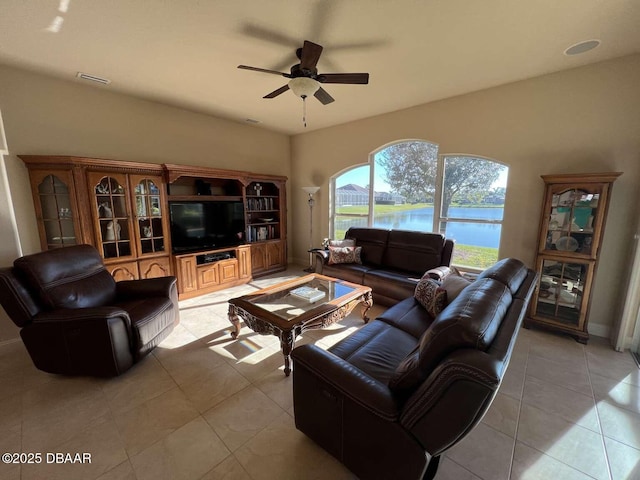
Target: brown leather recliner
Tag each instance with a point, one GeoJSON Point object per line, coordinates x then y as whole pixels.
{"type": "Point", "coordinates": [76, 319]}
{"type": "Point", "coordinates": [391, 398]}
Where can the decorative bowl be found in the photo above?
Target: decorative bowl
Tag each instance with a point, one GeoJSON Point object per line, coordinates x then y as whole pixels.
{"type": "Point", "coordinates": [567, 244]}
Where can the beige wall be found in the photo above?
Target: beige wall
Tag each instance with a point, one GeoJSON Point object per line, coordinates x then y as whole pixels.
{"type": "Point", "coordinates": [43, 115]}
{"type": "Point", "coordinates": [581, 120]}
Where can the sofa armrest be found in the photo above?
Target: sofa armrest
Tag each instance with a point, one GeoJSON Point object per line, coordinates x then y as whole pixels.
{"type": "Point", "coordinates": [321, 257]}
{"type": "Point", "coordinates": [79, 315]}
{"type": "Point", "coordinates": [466, 377]}
{"type": "Point", "coordinates": [439, 273]}
{"type": "Point", "coordinates": [148, 287]}
{"type": "Point", "coordinates": [347, 379]}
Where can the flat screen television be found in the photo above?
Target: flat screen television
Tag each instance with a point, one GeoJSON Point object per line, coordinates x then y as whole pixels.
{"type": "Point", "coordinates": [206, 225]}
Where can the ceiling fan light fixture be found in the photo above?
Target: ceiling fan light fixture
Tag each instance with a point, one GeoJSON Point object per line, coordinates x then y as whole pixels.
{"type": "Point", "coordinates": [304, 86]}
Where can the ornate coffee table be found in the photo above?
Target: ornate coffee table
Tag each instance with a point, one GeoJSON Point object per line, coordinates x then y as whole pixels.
{"type": "Point", "coordinates": [276, 311]}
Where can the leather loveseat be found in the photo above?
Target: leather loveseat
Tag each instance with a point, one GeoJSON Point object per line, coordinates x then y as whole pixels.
{"type": "Point", "coordinates": [76, 319]}
{"type": "Point", "coordinates": [391, 398]}
{"type": "Point", "coordinates": [392, 261]}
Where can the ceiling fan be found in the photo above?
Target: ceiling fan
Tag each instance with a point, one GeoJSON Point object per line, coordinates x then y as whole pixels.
{"type": "Point", "coordinates": [305, 79]}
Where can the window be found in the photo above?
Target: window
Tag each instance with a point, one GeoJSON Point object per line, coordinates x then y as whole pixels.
{"type": "Point", "coordinates": [409, 180]}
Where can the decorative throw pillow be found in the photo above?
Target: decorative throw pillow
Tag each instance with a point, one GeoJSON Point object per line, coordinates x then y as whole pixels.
{"type": "Point", "coordinates": [454, 284]}
{"type": "Point", "coordinates": [344, 255]}
{"type": "Point", "coordinates": [347, 242]}
{"type": "Point", "coordinates": [431, 296]}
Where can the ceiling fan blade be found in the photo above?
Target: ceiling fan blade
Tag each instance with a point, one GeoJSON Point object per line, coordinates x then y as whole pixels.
{"type": "Point", "coordinates": [277, 92]}
{"type": "Point", "coordinates": [274, 36]}
{"type": "Point", "coordinates": [264, 70]}
{"type": "Point", "coordinates": [365, 44]}
{"type": "Point", "coordinates": [354, 78]}
{"type": "Point", "coordinates": [322, 95]}
{"type": "Point", "coordinates": [310, 55]}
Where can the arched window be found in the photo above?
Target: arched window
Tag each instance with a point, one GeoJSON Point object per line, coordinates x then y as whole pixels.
{"type": "Point", "coordinates": [414, 188]}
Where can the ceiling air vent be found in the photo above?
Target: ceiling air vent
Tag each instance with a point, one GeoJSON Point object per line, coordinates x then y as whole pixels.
{"type": "Point", "coordinates": [93, 78]}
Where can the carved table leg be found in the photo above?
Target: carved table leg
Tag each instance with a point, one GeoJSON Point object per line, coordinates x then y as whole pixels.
{"type": "Point", "coordinates": [367, 303]}
{"type": "Point", "coordinates": [235, 321]}
{"type": "Point", "coordinates": [286, 342]}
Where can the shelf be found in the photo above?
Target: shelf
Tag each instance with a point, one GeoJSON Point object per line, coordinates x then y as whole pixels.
{"type": "Point", "coordinates": [62, 239]}
{"type": "Point", "coordinates": [205, 198]}
{"type": "Point", "coordinates": [567, 229]}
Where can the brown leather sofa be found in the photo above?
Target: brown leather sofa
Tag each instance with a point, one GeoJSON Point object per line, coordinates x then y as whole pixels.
{"type": "Point", "coordinates": [76, 319]}
{"type": "Point", "coordinates": [392, 261]}
{"type": "Point", "coordinates": [391, 398]}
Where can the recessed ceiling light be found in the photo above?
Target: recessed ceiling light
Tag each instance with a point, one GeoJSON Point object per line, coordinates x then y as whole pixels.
{"type": "Point", "coordinates": [93, 78]}
{"type": "Point", "coordinates": [582, 47]}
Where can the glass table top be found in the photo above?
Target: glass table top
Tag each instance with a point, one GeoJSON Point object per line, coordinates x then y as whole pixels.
{"type": "Point", "coordinates": [291, 300]}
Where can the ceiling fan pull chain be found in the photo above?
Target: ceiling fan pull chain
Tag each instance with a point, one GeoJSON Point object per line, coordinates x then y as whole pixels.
{"type": "Point", "coordinates": [304, 111]}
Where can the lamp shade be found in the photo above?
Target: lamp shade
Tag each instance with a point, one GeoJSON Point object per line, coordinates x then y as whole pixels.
{"type": "Point", "coordinates": [311, 190]}
{"type": "Point", "coordinates": [304, 86]}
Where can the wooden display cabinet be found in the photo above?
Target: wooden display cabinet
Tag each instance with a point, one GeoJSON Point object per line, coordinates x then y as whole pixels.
{"type": "Point", "coordinates": [571, 229]}
{"type": "Point", "coordinates": [122, 209]}
{"type": "Point", "coordinates": [118, 207]}
{"type": "Point", "coordinates": [212, 270]}
{"type": "Point", "coordinates": [266, 222]}
{"type": "Point", "coordinates": [264, 197]}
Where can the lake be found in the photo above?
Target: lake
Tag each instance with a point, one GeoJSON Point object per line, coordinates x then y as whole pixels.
{"type": "Point", "coordinates": [421, 219]}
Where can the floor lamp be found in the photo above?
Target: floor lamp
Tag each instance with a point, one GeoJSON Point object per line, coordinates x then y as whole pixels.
{"type": "Point", "coordinates": [311, 191]}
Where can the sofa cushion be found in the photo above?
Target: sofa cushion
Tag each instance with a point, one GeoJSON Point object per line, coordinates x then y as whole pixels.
{"type": "Point", "coordinates": [373, 242]}
{"type": "Point", "coordinates": [351, 272]}
{"type": "Point", "coordinates": [508, 271]}
{"type": "Point", "coordinates": [344, 255]}
{"type": "Point", "coordinates": [408, 315]}
{"type": "Point", "coordinates": [470, 321]}
{"type": "Point", "coordinates": [413, 252]}
{"type": "Point", "coordinates": [391, 283]}
{"type": "Point", "coordinates": [376, 349]}
{"type": "Point", "coordinates": [72, 277]}
{"type": "Point", "coordinates": [454, 284]}
{"type": "Point", "coordinates": [431, 296]}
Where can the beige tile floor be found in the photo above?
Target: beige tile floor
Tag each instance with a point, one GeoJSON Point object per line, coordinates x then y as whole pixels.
{"type": "Point", "coordinates": [203, 406]}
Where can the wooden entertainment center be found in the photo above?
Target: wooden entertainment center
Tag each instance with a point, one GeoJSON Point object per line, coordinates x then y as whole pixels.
{"type": "Point", "coordinates": [122, 209]}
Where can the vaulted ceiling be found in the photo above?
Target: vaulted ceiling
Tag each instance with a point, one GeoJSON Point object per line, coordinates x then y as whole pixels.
{"type": "Point", "coordinates": [185, 52]}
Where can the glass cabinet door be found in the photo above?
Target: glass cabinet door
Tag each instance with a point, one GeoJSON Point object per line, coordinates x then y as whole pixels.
{"type": "Point", "coordinates": [573, 213]}
{"type": "Point", "coordinates": [56, 211]}
{"type": "Point", "coordinates": [562, 290]}
{"type": "Point", "coordinates": [149, 215]}
{"type": "Point", "coordinates": [113, 220]}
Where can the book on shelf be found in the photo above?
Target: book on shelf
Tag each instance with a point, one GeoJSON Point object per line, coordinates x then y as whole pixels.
{"type": "Point", "coordinates": [309, 294]}
{"type": "Point", "coordinates": [263, 203]}
{"type": "Point", "coordinates": [260, 234]}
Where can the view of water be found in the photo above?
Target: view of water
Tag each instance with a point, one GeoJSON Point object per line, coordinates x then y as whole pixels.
{"type": "Point", "coordinates": [421, 219]}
